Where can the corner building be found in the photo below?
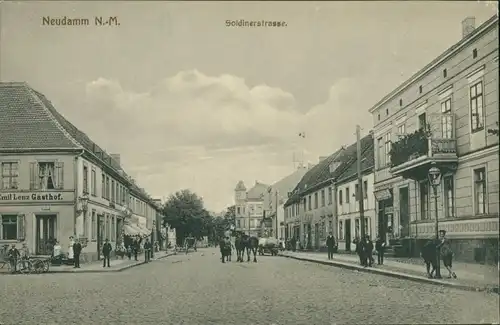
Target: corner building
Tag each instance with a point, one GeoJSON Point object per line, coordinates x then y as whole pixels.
{"type": "Point", "coordinates": [55, 182]}
{"type": "Point", "coordinates": [441, 117]}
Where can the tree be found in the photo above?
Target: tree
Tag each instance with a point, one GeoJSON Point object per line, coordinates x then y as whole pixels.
{"type": "Point", "coordinates": [494, 131]}
{"type": "Point", "coordinates": [185, 212]}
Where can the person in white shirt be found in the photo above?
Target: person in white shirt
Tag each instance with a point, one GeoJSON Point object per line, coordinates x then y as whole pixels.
{"type": "Point", "coordinates": [71, 254]}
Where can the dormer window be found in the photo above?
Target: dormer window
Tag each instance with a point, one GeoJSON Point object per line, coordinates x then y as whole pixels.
{"type": "Point", "coordinates": [420, 89]}
{"type": "Point", "coordinates": [379, 117]}
{"type": "Point", "coordinates": [386, 111]}
{"type": "Point", "coordinates": [400, 102]}
{"type": "Point", "coordinates": [474, 53]}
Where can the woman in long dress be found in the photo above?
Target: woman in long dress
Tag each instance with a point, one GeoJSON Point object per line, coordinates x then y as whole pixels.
{"type": "Point", "coordinates": [70, 248]}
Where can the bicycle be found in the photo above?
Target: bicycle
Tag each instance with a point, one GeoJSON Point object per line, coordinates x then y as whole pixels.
{"type": "Point", "coordinates": [23, 266]}
{"type": "Point", "coordinates": [40, 265]}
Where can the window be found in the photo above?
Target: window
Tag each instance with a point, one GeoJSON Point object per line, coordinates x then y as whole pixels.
{"type": "Point", "coordinates": [103, 186]}
{"type": "Point", "coordinates": [323, 198]}
{"type": "Point", "coordinates": [330, 223]}
{"type": "Point", "coordinates": [9, 227]}
{"type": "Point", "coordinates": [310, 204]}
{"type": "Point", "coordinates": [424, 200]}
{"type": "Point", "coordinates": [46, 175]}
{"type": "Point", "coordinates": [449, 198]}
{"type": "Point", "coordinates": [400, 102]}
{"type": "Point", "coordinates": [238, 223]}
{"type": "Point", "coordinates": [330, 198]}
{"type": "Point", "coordinates": [85, 179]}
{"type": "Point", "coordinates": [420, 89]}
{"type": "Point", "coordinates": [108, 228]}
{"type": "Point", "coordinates": [476, 107]}
{"type": "Point", "coordinates": [112, 198]}
{"type": "Point", "coordinates": [107, 188]}
{"type": "Point", "coordinates": [422, 121]}
{"type": "Point", "coordinates": [356, 191]}
{"type": "Point", "coordinates": [85, 224]}
{"type": "Point", "coordinates": [238, 209]}
{"type": "Point", "coordinates": [316, 200]}
{"type": "Point", "coordinates": [323, 229]}
{"type": "Point", "coordinates": [446, 119]}
{"type": "Point", "coordinates": [474, 53]}
{"type": "Point", "coordinates": [445, 73]}
{"type": "Point", "coordinates": [347, 195]}
{"type": "Point", "coordinates": [357, 228]}
{"type": "Point", "coordinates": [401, 129]}
{"type": "Point", "coordinates": [340, 197]}
{"type": "Point", "coordinates": [341, 230]}
{"type": "Point", "coordinates": [93, 183]}
{"type": "Point", "coordinates": [113, 229]}
{"type": "Point", "coordinates": [380, 153]}
{"type": "Point", "coordinates": [9, 175]}
{"type": "Point", "coordinates": [379, 117]}
{"type": "Point", "coordinates": [386, 111]}
{"type": "Point", "coordinates": [367, 226]}
{"type": "Point", "coordinates": [117, 194]}
{"type": "Point", "coordinates": [480, 190]}
{"type": "Point", "coordinates": [94, 226]}
{"type": "Point", "coordinates": [387, 148]}
{"type": "Point", "coordinates": [365, 189]}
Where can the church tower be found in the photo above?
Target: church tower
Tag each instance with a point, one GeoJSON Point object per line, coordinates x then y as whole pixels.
{"type": "Point", "coordinates": [240, 199]}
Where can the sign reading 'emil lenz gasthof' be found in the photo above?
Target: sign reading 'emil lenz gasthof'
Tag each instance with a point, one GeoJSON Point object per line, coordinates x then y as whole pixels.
{"type": "Point", "coordinates": [32, 197]}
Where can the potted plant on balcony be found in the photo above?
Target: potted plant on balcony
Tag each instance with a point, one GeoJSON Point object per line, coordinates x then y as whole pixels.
{"type": "Point", "coordinates": [410, 146]}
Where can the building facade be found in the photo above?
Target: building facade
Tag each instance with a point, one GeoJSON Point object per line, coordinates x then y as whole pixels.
{"type": "Point", "coordinates": [440, 118]}
{"type": "Point", "coordinates": [274, 202]}
{"type": "Point", "coordinates": [249, 206]}
{"type": "Point", "coordinates": [311, 210]}
{"type": "Point", "coordinates": [56, 183]}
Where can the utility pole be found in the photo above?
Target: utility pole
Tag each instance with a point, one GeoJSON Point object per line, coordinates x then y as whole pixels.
{"type": "Point", "coordinates": [276, 214]}
{"type": "Point", "coordinates": [360, 183]}
{"type": "Point", "coordinates": [248, 222]}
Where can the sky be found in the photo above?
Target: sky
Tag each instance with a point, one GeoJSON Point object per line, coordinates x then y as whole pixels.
{"type": "Point", "coordinates": [190, 103]}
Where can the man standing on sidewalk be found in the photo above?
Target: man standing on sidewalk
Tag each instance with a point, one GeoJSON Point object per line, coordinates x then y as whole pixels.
{"type": "Point", "coordinates": [106, 251]}
{"type": "Point", "coordinates": [77, 250]}
{"type": "Point", "coordinates": [330, 244]}
{"type": "Point", "coordinates": [147, 251]}
{"type": "Point", "coordinates": [135, 248]}
{"type": "Point", "coordinates": [380, 248]}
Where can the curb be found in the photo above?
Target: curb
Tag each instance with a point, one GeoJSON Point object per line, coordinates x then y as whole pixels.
{"type": "Point", "coordinates": [395, 274]}
{"type": "Point", "coordinates": [101, 271]}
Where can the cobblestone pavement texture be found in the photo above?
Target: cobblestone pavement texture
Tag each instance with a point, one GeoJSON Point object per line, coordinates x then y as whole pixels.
{"type": "Point", "coordinates": [198, 289]}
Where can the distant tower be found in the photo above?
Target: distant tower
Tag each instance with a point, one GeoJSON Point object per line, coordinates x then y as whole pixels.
{"type": "Point", "coordinates": [240, 198]}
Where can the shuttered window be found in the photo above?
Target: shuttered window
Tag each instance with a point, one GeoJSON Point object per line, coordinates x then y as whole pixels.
{"type": "Point", "coordinates": [46, 175]}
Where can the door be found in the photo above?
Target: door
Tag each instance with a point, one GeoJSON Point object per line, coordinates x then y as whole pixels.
{"type": "Point", "coordinates": [404, 215]}
{"type": "Point", "coordinates": [100, 235]}
{"type": "Point", "coordinates": [382, 223]}
{"type": "Point", "coordinates": [347, 235]}
{"type": "Point", "coordinates": [45, 234]}
{"type": "Point", "coordinates": [309, 233]}
{"type": "Point", "coordinates": [316, 235]}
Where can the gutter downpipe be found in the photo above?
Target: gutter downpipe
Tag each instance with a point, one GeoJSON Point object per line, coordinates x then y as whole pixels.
{"type": "Point", "coordinates": [75, 182]}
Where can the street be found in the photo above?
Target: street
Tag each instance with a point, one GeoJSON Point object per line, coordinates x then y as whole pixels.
{"type": "Point", "coordinates": [198, 289]}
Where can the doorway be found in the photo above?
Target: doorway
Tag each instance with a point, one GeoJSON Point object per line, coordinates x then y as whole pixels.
{"type": "Point", "coordinates": [316, 236]}
{"type": "Point", "coordinates": [100, 234]}
{"type": "Point", "coordinates": [404, 218]}
{"type": "Point", "coordinates": [347, 235]}
{"type": "Point", "coordinates": [45, 234]}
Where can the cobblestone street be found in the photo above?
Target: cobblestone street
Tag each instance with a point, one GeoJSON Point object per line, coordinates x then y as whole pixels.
{"type": "Point", "coordinates": [198, 289]}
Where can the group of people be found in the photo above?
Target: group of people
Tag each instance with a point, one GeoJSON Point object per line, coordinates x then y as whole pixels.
{"type": "Point", "coordinates": [430, 253]}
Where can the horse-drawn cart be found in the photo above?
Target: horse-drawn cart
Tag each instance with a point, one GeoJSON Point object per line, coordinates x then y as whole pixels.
{"type": "Point", "coordinates": [268, 246]}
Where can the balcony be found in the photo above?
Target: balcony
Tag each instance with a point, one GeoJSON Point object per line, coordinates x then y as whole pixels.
{"type": "Point", "coordinates": [413, 154]}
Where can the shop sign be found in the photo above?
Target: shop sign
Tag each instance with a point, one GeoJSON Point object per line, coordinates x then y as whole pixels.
{"type": "Point", "coordinates": [34, 197]}
{"type": "Point", "coordinates": [383, 195]}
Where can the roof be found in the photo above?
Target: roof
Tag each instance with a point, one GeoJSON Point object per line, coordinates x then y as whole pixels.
{"type": "Point", "coordinates": [321, 173]}
{"type": "Point", "coordinates": [367, 164]}
{"type": "Point", "coordinates": [491, 22]}
{"type": "Point", "coordinates": [257, 191]}
{"type": "Point", "coordinates": [28, 121]}
{"type": "Point", "coordinates": [240, 186]}
{"type": "Point", "coordinates": [287, 184]}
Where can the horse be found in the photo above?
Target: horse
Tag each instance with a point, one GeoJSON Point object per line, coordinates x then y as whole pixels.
{"type": "Point", "coordinates": [249, 243]}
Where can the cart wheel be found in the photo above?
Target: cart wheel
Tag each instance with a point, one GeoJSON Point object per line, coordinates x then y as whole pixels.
{"type": "Point", "coordinates": [24, 266]}
{"type": "Point", "coordinates": [46, 266]}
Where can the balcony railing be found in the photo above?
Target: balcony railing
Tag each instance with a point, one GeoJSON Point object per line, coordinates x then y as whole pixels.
{"type": "Point", "coordinates": [433, 141]}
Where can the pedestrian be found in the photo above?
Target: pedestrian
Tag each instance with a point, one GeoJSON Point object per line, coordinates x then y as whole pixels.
{"type": "Point", "coordinates": [13, 255]}
{"type": "Point", "coordinates": [428, 253]}
{"type": "Point", "coordinates": [446, 253]}
{"type": "Point", "coordinates": [368, 251]}
{"type": "Point", "coordinates": [25, 254]}
{"type": "Point", "coordinates": [135, 248]}
{"type": "Point", "coordinates": [330, 244]}
{"type": "Point", "coordinates": [71, 253]}
{"type": "Point", "coordinates": [359, 250]}
{"type": "Point", "coordinates": [147, 251]}
{"type": "Point", "coordinates": [106, 252]}
{"type": "Point", "coordinates": [380, 248]}
{"type": "Point", "coordinates": [77, 249]}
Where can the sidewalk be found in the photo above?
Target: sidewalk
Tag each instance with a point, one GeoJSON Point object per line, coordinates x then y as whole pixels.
{"type": "Point", "coordinates": [116, 265]}
{"type": "Point", "coordinates": [472, 277]}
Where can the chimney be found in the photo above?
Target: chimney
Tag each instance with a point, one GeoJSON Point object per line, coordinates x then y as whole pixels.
{"type": "Point", "coordinates": [321, 158]}
{"type": "Point", "coordinates": [116, 158]}
{"type": "Point", "coordinates": [468, 26]}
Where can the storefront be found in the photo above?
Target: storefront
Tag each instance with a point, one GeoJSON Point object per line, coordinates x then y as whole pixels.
{"type": "Point", "coordinates": [37, 218]}
{"type": "Point", "coordinates": [385, 213]}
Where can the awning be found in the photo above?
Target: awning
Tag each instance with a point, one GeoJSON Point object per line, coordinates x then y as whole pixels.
{"type": "Point", "coordinates": [145, 231]}
{"type": "Point", "coordinates": [131, 230]}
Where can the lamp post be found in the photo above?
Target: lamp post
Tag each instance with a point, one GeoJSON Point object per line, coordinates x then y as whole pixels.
{"type": "Point", "coordinates": [435, 180]}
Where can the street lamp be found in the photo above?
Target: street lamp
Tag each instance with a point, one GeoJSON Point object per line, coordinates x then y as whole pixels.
{"type": "Point", "coordinates": [435, 180]}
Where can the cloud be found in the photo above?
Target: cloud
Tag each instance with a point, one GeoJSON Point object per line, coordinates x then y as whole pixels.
{"type": "Point", "coordinates": [207, 132]}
